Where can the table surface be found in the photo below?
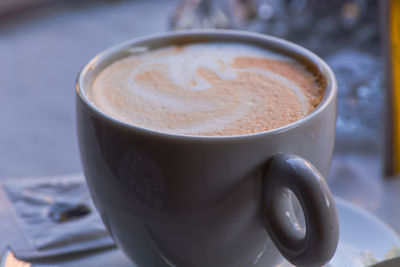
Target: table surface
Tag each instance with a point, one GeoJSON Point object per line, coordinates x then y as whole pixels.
{"type": "Point", "coordinates": [41, 52]}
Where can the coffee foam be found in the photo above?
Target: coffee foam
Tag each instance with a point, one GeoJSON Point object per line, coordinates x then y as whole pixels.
{"type": "Point", "coordinates": [207, 89]}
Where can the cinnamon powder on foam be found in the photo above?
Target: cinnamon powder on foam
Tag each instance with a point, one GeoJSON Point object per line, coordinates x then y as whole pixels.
{"type": "Point", "coordinates": [263, 103]}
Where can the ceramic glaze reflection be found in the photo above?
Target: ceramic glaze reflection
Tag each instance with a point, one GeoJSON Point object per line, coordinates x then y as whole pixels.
{"type": "Point", "coordinates": [207, 89]}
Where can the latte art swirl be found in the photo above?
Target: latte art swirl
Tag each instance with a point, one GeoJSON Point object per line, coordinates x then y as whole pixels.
{"type": "Point", "coordinates": [207, 89]}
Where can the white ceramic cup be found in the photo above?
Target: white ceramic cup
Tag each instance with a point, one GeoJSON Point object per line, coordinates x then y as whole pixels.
{"type": "Point", "coordinates": [175, 200]}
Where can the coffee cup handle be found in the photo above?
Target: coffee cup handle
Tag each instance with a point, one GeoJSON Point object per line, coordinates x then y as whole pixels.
{"type": "Point", "coordinates": [318, 243]}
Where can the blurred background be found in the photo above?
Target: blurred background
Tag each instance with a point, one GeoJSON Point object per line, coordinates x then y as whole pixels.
{"type": "Point", "coordinates": [44, 43]}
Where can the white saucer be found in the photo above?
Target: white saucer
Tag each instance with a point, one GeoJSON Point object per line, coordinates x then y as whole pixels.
{"type": "Point", "coordinates": [364, 240]}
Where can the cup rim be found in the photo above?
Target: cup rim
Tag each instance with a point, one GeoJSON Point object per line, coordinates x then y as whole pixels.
{"type": "Point", "coordinates": [285, 46]}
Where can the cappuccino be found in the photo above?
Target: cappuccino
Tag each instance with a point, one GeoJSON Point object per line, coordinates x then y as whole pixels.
{"type": "Point", "coordinates": [209, 89]}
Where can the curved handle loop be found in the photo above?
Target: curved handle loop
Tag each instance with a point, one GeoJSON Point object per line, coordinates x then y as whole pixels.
{"type": "Point", "coordinates": [317, 245]}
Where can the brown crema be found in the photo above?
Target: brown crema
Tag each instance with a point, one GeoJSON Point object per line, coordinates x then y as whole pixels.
{"type": "Point", "coordinates": [209, 89]}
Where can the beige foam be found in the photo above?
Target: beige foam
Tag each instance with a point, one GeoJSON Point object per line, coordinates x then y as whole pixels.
{"type": "Point", "coordinates": [207, 89]}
